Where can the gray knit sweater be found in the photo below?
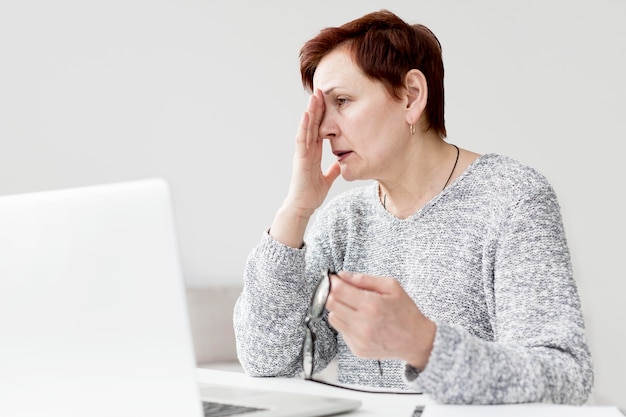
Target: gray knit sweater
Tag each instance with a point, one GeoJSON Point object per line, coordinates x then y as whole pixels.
{"type": "Point", "coordinates": [486, 259]}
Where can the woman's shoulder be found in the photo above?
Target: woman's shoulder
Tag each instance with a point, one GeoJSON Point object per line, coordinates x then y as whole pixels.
{"type": "Point", "coordinates": [506, 173]}
{"type": "Point", "coordinates": [346, 210]}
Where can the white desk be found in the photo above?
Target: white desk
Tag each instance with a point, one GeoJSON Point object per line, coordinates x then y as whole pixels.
{"type": "Point", "coordinates": [394, 405]}
{"type": "Point", "coordinates": [388, 405]}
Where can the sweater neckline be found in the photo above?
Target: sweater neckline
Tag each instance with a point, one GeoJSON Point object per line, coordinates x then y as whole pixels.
{"type": "Point", "coordinates": [450, 188]}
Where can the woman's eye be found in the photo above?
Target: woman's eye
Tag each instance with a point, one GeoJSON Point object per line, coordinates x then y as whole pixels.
{"type": "Point", "coordinates": [341, 101]}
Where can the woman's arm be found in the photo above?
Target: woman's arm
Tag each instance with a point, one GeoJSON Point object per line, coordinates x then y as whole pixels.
{"type": "Point", "coordinates": [539, 353]}
{"type": "Point", "coordinates": [269, 313]}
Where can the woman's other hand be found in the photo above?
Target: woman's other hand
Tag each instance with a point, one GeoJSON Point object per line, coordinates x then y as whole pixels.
{"type": "Point", "coordinates": [378, 319]}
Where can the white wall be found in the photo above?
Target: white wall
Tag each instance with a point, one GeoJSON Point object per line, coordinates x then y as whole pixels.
{"type": "Point", "coordinates": [207, 95]}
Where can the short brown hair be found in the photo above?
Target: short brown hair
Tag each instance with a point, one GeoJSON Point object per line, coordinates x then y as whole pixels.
{"type": "Point", "coordinates": [385, 47]}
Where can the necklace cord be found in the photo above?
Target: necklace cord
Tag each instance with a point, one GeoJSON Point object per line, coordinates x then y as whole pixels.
{"type": "Point", "coordinates": [456, 161]}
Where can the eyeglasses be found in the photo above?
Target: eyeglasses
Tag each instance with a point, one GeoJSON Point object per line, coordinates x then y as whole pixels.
{"type": "Point", "coordinates": [316, 309]}
{"type": "Point", "coordinates": [318, 301]}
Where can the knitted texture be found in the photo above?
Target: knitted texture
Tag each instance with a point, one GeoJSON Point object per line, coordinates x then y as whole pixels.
{"type": "Point", "coordinates": [487, 260]}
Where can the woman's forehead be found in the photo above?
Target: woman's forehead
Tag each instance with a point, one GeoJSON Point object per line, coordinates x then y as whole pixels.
{"type": "Point", "coordinates": [336, 69]}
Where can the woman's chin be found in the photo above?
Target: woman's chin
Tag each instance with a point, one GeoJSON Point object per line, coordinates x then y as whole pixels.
{"type": "Point", "coordinates": [347, 176]}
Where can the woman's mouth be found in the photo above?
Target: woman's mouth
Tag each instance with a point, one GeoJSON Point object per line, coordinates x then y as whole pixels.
{"type": "Point", "coordinates": [341, 155]}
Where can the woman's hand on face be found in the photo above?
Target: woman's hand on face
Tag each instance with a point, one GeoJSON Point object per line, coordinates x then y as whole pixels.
{"type": "Point", "coordinates": [378, 319]}
{"type": "Point", "coordinates": [309, 184]}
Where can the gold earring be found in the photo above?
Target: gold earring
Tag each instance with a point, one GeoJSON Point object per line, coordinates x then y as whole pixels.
{"type": "Point", "coordinates": [412, 128]}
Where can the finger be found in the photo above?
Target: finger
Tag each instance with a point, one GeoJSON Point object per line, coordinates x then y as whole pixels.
{"type": "Point", "coordinates": [381, 285]}
{"type": "Point", "coordinates": [301, 135]}
{"type": "Point", "coordinates": [351, 303]}
{"type": "Point", "coordinates": [338, 323]}
{"type": "Point", "coordinates": [321, 106]}
{"type": "Point", "coordinates": [342, 293]}
{"type": "Point", "coordinates": [357, 340]}
{"type": "Point", "coordinates": [315, 111]}
{"type": "Point", "coordinates": [340, 305]}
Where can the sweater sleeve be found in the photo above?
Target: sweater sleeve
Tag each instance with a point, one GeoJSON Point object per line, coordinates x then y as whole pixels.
{"type": "Point", "coordinates": [269, 314]}
{"type": "Point", "coordinates": [539, 353]}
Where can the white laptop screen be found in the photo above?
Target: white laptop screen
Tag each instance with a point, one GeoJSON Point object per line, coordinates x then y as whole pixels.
{"type": "Point", "coordinates": [93, 320]}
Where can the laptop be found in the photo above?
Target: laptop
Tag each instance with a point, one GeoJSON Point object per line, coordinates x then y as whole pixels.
{"type": "Point", "coordinates": [93, 316]}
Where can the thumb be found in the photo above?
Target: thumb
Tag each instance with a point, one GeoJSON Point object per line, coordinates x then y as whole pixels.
{"type": "Point", "coordinates": [332, 172]}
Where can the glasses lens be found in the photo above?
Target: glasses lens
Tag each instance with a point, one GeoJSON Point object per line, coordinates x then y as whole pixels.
{"type": "Point", "coordinates": [318, 301]}
{"type": "Point", "coordinates": [307, 354]}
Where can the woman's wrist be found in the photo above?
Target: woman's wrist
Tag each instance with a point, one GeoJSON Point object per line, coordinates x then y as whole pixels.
{"type": "Point", "coordinates": [418, 359]}
{"type": "Point", "coordinates": [289, 226]}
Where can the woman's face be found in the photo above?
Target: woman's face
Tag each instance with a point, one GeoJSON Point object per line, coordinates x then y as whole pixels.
{"type": "Point", "coordinates": [366, 127]}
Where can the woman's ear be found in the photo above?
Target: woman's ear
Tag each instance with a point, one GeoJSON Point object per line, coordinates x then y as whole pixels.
{"type": "Point", "coordinates": [416, 95]}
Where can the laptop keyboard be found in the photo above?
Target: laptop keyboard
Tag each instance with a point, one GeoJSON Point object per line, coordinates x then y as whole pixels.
{"type": "Point", "coordinates": [213, 409]}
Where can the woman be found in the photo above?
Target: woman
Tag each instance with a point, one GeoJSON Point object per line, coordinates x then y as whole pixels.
{"type": "Point", "coordinates": [452, 271]}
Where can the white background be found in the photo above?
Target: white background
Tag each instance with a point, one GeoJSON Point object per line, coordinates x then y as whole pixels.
{"type": "Point", "coordinates": [207, 95]}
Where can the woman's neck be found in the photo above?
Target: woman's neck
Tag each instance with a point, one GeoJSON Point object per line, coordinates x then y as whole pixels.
{"type": "Point", "coordinates": [421, 176]}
